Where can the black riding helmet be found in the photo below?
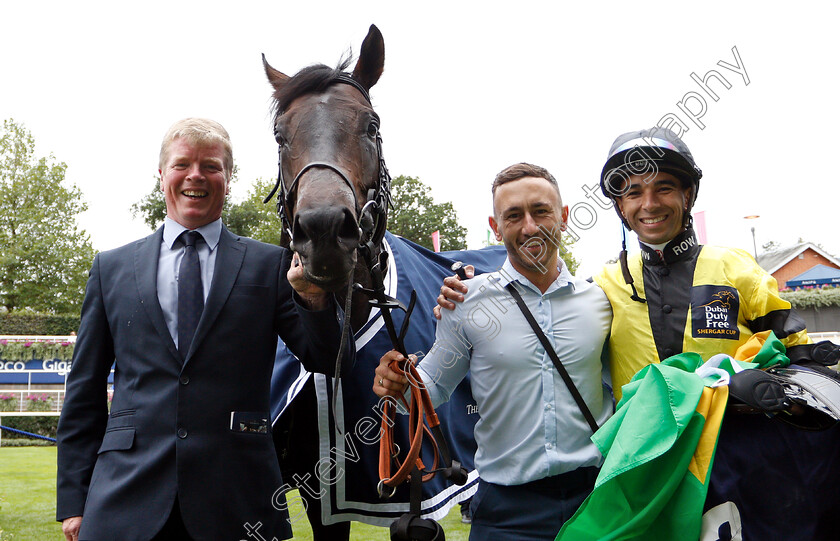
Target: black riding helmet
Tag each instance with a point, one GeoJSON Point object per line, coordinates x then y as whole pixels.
{"type": "Point", "coordinates": [644, 153]}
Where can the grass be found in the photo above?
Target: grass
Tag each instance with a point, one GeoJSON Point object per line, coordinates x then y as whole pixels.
{"type": "Point", "coordinates": [27, 502]}
{"type": "Point", "coordinates": [27, 494]}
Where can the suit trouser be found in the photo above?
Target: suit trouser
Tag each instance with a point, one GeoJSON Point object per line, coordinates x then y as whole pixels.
{"type": "Point", "coordinates": [531, 511]}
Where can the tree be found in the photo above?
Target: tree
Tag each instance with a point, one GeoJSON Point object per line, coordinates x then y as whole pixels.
{"type": "Point", "coordinates": [566, 254]}
{"type": "Point", "coordinates": [152, 208]}
{"type": "Point", "coordinates": [44, 256]}
{"type": "Point", "coordinates": [253, 218]}
{"type": "Point", "coordinates": [416, 216]}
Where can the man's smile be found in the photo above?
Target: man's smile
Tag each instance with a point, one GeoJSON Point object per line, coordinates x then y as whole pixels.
{"type": "Point", "coordinates": [650, 221]}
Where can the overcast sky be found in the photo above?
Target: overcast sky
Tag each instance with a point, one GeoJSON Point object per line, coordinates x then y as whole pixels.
{"type": "Point", "coordinates": [468, 88]}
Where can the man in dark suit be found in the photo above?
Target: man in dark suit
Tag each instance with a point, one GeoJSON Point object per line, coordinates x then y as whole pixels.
{"type": "Point", "coordinates": [189, 318]}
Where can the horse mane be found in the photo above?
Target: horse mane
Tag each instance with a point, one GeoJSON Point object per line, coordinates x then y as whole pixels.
{"type": "Point", "coordinates": [311, 79]}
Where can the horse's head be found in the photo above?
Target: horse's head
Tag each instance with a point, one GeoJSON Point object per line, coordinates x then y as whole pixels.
{"type": "Point", "coordinates": [330, 154]}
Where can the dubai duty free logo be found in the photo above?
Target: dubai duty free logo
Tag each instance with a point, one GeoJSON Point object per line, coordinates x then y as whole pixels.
{"type": "Point", "coordinates": [714, 312]}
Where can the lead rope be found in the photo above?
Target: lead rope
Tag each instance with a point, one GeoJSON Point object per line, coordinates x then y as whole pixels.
{"type": "Point", "coordinates": [345, 335]}
{"type": "Point", "coordinates": [410, 526]}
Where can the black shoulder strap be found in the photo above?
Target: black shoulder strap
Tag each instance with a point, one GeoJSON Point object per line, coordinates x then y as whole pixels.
{"type": "Point", "coordinates": [553, 354]}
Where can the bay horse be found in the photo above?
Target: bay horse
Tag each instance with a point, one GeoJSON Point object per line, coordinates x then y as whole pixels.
{"type": "Point", "coordinates": [333, 196]}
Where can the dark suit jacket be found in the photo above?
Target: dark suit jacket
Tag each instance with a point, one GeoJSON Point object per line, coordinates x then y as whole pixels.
{"type": "Point", "coordinates": [174, 425]}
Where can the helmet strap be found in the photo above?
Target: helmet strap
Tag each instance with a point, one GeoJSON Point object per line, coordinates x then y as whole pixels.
{"type": "Point", "coordinates": [625, 268]}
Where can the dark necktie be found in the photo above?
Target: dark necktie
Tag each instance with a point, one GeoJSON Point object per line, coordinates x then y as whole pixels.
{"type": "Point", "coordinates": [190, 292]}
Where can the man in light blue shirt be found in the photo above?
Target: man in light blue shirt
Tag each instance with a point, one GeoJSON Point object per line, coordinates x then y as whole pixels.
{"type": "Point", "coordinates": [534, 455]}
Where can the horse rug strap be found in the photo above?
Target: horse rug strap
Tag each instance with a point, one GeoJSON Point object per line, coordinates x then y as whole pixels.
{"type": "Point", "coordinates": [549, 349]}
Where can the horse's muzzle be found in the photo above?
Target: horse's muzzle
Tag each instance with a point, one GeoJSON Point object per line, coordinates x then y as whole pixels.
{"type": "Point", "coordinates": [326, 239]}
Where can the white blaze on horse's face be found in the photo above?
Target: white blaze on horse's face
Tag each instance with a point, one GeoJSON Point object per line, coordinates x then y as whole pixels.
{"type": "Point", "coordinates": [194, 183]}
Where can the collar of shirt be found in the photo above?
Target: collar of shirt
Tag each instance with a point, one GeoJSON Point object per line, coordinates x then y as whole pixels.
{"type": "Point", "coordinates": [681, 248]}
{"type": "Point", "coordinates": [210, 232]}
{"type": "Point", "coordinates": [564, 280]}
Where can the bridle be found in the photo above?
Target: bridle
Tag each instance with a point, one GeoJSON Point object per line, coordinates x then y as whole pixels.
{"type": "Point", "coordinates": [373, 216]}
{"type": "Point", "coordinates": [371, 221]}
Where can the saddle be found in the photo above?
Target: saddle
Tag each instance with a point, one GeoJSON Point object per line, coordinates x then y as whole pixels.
{"type": "Point", "coordinates": [806, 396]}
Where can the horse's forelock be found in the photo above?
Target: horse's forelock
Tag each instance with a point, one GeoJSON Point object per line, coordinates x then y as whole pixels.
{"type": "Point", "coordinates": [315, 78]}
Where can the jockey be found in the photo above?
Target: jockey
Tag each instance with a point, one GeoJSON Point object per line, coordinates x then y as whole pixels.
{"type": "Point", "coordinates": [769, 479]}
{"type": "Point", "coordinates": [721, 292]}
{"type": "Point", "coordinates": [676, 295]}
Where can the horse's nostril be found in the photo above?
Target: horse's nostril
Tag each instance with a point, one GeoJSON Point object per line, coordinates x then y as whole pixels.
{"type": "Point", "coordinates": [348, 230]}
{"type": "Point", "coordinates": [299, 231]}
{"type": "Point", "coordinates": [325, 226]}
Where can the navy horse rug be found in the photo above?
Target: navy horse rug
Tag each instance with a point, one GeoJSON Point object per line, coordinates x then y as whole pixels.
{"type": "Point", "coordinates": [336, 459]}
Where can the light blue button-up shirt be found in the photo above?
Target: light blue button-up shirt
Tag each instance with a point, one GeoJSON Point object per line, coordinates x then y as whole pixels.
{"type": "Point", "coordinates": [530, 427]}
{"type": "Point", "coordinates": [169, 262]}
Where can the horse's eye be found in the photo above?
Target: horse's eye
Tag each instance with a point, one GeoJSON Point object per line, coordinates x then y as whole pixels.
{"type": "Point", "coordinates": [279, 138]}
{"type": "Point", "coordinates": [373, 128]}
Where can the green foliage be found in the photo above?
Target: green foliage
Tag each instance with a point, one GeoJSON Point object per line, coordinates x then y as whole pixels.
{"type": "Point", "coordinates": [39, 402]}
{"type": "Point", "coordinates": [566, 253]}
{"type": "Point", "coordinates": [43, 425]}
{"type": "Point", "coordinates": [8, 401]}
{"type": "Point", "coordinates": [812, 298]}
{"type": "Point", "coordinates": [39, 324]}
{"type": "Point", "coordinates": [416, 216]}
{"type": "Point", "coordinates": [253, 218]}
{"type": "Point", "coordinates": [152, 208]}
{"type": "Point", "coordinates": [26, 350]}
{"type": "Point", "coordinates": [44, 256]}
{"type": "Point", "coordinates": [25, 442]}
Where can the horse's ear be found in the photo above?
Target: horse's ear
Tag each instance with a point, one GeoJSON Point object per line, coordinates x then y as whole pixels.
{"type": "Point", "coordinates": [276, 78]}
{"type": "Point", "coordinates": [371, 60]}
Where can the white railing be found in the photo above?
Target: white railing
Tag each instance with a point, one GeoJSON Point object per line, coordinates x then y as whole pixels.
{"type": "Point", "coordinates": [31, 400]}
